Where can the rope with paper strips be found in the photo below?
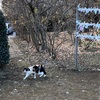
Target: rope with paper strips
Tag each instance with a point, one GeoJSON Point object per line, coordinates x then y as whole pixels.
{"type": "Point", "coordinates": [84, 24]}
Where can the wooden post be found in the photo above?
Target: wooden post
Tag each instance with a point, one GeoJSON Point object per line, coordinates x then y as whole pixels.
{"type": "Point", "coordinates": [76, 43]}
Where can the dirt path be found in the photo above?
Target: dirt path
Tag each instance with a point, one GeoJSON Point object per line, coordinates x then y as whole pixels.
{"type": "Point", "coordinates": [14, 50]}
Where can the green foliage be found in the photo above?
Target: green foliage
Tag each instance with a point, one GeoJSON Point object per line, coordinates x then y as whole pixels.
{"type": "Point", "coordinates": [4, 48]}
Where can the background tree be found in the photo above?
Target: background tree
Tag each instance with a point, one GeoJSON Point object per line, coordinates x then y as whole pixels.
{"type": "Point", "coordinates": [4, 48]}
{"type": "Point", "coordinates": [41, 21]}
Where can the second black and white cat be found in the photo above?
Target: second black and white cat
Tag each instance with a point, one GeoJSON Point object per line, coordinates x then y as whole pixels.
{"type": "Point", "coordinates": [36, 69]}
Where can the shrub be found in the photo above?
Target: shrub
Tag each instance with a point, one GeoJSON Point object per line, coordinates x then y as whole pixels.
{"type": "Point", "coordinates": [4, 47]}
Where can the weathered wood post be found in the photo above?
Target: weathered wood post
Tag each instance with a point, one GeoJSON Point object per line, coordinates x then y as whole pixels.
{"type": "Point", "coordinates": [76, 42]}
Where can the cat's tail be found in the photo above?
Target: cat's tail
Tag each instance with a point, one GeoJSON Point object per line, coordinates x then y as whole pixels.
{"type": "Point", "coordinates": [43, 68]}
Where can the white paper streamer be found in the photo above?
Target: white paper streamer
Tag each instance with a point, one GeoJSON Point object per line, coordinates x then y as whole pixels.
{"type": "Point", "coordinates": [86, 25]}
{"type": "Point", "coordinates": [82, 25]}
{"type": "Point", "coordinates": [87, 10]}
{"type": "Point", "coordinates": [88, 36]}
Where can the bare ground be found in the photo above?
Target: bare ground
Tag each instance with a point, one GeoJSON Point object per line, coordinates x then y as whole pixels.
{"type": "Point", "coordinates": [62, 81]}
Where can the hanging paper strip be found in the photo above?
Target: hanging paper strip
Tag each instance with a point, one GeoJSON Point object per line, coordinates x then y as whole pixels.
{"type": "Point", "coordinates": [87, 10]}
{"type": "Point", "coordinates": [82, 25]}
{"type": "Point", "coordinates": [86, 25]}
{"type": "Point", "coordinates": [88, 36]}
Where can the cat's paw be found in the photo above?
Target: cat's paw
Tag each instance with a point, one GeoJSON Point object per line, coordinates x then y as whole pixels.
{"type": "Point", "coordinates": [44, 75]}
{"type": "Point", "coordinates": [40, 75]}
{"type": "Point", "coordinates": [24, 78]}
{"type": "Point", "coordinates": [34, 77]}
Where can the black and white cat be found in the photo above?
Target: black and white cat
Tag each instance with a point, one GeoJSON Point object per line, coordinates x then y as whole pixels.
{"type": "Point", "coordinates": [40, 70]}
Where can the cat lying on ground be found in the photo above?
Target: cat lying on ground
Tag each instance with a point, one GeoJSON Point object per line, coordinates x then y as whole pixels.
{"type": "Point", "coordinates": [36, 69]}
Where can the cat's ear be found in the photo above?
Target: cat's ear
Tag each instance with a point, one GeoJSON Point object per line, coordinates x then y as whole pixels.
{"type": "Point", "coordinates": [35, 66]}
